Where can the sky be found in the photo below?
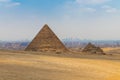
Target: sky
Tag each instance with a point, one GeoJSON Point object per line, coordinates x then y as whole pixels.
{"type": "Point", "coordinates": [83, 19]}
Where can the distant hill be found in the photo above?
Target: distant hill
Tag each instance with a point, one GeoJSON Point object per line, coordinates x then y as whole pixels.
{"type": "Point", "coordinates": [78, 43]}
{"type": "Point", "coordinates": [68, 42]}
{"type": "Point", "coordinates": [17, 45]}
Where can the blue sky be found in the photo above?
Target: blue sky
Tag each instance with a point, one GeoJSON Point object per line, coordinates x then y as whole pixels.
{"type": "Point", "coordinates": [84, 19]}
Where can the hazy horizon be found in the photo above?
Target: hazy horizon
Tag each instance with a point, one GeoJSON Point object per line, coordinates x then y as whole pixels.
{"type": "Point", "coordinates": [83, 19]}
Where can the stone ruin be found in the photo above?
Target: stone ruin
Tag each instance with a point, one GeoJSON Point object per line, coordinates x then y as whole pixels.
{"type": "Point", "coordinates": [90, 48]}
{"type": "Point", "coordinates": [46, 41]}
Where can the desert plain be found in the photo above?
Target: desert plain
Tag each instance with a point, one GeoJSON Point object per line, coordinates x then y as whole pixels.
{"type": "Point", "coordinates": [22, 65]}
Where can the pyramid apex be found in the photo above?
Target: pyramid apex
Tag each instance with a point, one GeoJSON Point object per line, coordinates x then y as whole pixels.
{"type": "Point", "coordinates": [46, 25]}
{"type": "Point", "coordinates": [90, 43]}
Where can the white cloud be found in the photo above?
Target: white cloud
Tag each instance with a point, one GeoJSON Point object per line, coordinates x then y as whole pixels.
{"type": "Point", "coordinates": [92, 1]}
{"type": "Point", "coordinates": [91, 10]}
{"type": "Point", "coordinates": [101, 7]}
{"type": "Point", "coordinates": [106, 7]}
{"type": "Point", "coordinates": [9, 3]}
{"type": "Point", "coordinates": [112, 10]}
{"type": "Point", "coordinates": [109, 9]}
{"type": "Point", "coordinates": [13, 4]}
{"type": "Point", "coordinates": [5, 0]}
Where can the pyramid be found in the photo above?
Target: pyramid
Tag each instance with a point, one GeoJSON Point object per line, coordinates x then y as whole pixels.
{"type": "Point", "coordinates": [46, 41]}
{"type": "Point", "coordinates": [90, 48]}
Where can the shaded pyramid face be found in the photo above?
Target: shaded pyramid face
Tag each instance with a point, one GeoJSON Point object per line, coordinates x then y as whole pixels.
{"type": "Point", "coordinates": [46, 40]}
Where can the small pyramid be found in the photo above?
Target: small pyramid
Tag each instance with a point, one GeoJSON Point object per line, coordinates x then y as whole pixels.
{"type": "Point", "coordinates": [90, 48]}
{"type": "Point", "coordinates": [46, 41]}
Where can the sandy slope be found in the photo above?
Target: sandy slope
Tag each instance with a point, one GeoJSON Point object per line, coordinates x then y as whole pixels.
{"type": "Point", "coordinates": [17, 66]}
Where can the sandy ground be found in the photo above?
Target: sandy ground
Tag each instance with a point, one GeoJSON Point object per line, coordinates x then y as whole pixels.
{"type": "Point", "coordinates": [43, 66]}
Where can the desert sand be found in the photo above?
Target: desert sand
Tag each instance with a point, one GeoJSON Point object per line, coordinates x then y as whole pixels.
{"type": "Point", "coordinates": [20, 65]}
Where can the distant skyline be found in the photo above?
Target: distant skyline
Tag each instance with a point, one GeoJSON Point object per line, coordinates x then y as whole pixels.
{"type": "Point", "coordinates": [83, 19]}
